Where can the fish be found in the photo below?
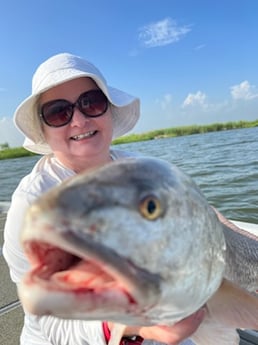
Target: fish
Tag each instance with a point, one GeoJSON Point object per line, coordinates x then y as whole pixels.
{"type": "Point", "coordinates": [137, 243]}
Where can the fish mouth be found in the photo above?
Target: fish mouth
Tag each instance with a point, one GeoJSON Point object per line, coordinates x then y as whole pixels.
{"type": "Point", "coordinates": [80, 268]}
{"type": "Point", "coordinates": [57, 269]}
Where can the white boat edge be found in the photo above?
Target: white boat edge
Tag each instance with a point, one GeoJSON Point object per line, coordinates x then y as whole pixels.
{"type": "Point", "coordinates": [250, 227]}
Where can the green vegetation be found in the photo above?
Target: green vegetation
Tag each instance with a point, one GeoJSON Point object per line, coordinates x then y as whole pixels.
{"type": "Point", "coordinates": [6, 152]}
{"type": "Point", "coordinates": [15, 152]}
{"type": "Point", "coordinates": [184, 130]}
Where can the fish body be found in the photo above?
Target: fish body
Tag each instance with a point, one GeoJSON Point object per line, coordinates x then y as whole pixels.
{"type": "Point", "coordinates": [134, 242]}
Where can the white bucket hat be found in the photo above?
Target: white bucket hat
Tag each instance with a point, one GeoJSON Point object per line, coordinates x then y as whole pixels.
{"type": "Point", "coordinates": [57, 70]}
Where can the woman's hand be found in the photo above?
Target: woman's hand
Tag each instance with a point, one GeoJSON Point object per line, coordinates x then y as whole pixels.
{"type": "Point", "coordinates": [170, 335]}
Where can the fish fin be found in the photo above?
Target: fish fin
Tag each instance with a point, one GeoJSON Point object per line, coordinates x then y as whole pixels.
{"type": "Point", "coordinates": [234, 307]}
{"type": "Point", "coordinates": [116, 334]}
{"type": "Point", "coordinates": [213, 334]}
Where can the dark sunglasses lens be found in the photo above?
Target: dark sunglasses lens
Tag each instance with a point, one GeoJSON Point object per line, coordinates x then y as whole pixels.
{"type": "Point", "coordinates": [93, 103]}
{"type": "Point", "coordinates": [57, 113]}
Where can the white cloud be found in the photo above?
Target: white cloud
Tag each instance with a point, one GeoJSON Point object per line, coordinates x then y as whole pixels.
{"type": "Point", "coordinates": [162, 33]}
{"type": "Point", "coordinates": [9, 133]}
{"type": "Point", "coordinates": [199, 99]}
{"type": "Point", "coordinates": [244, 91]}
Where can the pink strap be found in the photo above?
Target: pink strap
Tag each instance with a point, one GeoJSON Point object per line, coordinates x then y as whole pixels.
{"type": "Point", "coordinates": [136, 340]}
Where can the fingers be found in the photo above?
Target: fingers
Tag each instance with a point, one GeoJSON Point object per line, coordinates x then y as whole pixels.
{"type": "Point", "coordinates": [170, 335]}
{"type": "Point", "coordinates": [184, 328]}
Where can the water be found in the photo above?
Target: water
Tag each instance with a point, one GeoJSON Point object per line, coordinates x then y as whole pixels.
{"type": "Point", "coordinates": [224, 164]}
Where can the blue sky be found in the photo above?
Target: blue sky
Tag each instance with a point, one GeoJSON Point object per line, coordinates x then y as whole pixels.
{"type": "Point", "coordinates": [190, 61]}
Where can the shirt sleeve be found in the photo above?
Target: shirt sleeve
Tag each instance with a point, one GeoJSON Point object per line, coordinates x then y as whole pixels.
{"type": "Point", "coordinates": [12, 250]}
{"type": "Point", "coordinates": [50, 330]}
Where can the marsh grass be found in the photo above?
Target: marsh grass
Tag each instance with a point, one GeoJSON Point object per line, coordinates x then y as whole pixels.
{"type": "Point", "coordinates": [184, 130]}
{"type": "Point", "coordinates": [15, 152]}
{"type": "Point", "coordinates": [157, 134]}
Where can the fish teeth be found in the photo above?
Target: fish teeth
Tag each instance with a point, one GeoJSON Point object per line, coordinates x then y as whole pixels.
{"type": "Point", "coordinates": [82, 136]}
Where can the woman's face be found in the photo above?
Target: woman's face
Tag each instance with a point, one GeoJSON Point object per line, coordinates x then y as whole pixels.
{"type": "Point", "coordinates": [84, 142]}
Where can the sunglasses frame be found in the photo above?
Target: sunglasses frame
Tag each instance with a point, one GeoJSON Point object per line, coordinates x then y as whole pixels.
{"type": "Point", "coordinates": [69, 108]}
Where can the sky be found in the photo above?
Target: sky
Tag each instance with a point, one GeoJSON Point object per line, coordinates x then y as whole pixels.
{"type": "Point", "coordinates": [189, 61]}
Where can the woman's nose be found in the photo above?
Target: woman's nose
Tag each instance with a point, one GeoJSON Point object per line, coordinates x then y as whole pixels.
{"type": "Point", "coordinates": [78, 118]}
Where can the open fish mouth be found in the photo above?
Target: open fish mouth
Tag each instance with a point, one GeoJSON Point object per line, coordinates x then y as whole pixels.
{"type": "Point", "coordinates": [78, 268]}
{"type": "Point", "coordinates": [58, 269]}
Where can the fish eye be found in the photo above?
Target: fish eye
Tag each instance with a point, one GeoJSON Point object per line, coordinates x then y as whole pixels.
{"type": "Point", "coordinates": [150, 207]}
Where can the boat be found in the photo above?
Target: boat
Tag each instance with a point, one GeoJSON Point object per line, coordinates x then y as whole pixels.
{"type": "Point", "coordinates": [248, 337]}
{"type": "Point", "coordinates": [250, 227]}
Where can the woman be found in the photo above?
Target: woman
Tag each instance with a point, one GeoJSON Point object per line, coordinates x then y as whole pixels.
{"type": "Point", "coordinates": [71, 118]}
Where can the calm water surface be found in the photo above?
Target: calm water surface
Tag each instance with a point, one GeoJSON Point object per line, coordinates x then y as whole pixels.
{"type": "Point", "coordinates": [224, 165]}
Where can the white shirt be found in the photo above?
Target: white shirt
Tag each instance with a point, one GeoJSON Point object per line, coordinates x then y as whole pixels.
{"type": "Point", "coordinates": [44, 330]}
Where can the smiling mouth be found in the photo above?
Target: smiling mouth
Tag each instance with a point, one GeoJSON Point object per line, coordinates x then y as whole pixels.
{"type": "Point", "coordinates": [84, 135]}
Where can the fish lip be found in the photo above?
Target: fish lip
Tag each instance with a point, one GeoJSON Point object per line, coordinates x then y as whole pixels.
{"type": "Point", "coordinates": [141, 279]}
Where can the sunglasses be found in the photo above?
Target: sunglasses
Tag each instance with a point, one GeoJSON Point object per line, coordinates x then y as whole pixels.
{"type": "Point", "coordinates": [60, 112]}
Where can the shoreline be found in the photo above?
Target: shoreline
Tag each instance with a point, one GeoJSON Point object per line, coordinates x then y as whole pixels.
{"type": "Point", "coordinates": [171, 132]}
